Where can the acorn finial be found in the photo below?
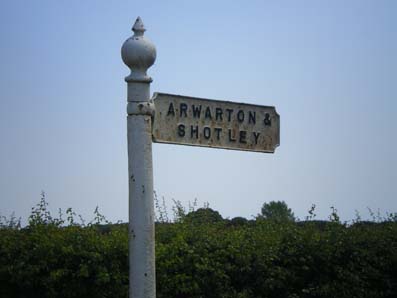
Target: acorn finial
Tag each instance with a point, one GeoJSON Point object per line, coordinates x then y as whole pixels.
{"type": "Point", "coordinates": [139, 27]}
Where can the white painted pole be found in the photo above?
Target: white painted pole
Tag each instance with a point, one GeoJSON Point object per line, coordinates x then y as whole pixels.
{"type": "Point", "coordinates": [138, 53]}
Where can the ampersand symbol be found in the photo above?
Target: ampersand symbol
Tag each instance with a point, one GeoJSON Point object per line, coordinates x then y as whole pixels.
{"type": "Point", "coordinates": [267, 120]}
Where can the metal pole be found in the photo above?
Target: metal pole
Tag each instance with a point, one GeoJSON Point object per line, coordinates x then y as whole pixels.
{"type": "Point", "coordinates": [138, 53]}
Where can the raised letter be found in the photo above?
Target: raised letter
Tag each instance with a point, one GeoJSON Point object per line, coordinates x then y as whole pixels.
{"type": "Point", "coordinates": [218, 114]}
{"type": "Point", "coordinates": [229, 114]}
{"type": "Point", "coordinates": [252, 117]}
{"type": "Point", "coordinates": [240, 116]}
{"type": "Point", "coordinates": [218, 132]}
{"type": "Point", "coordinates": [181, 130]}
{"type": "Point", "coordinates": [208, 113]}
{"type": "Point", "coordinates": [243, 137]}
{"type": "Point", "coordinates": [171, 110]}
{"type": "Point", "coordinates": [207, 132]}
{"type": "Point", "coordinates": [267, 120]}
{"type": "Point", "coordinates": [196, 111]}
{"type": "Point", "coordinates": [256, 136]}
{"type": "Point", "coordinates": [183, 109]}
{"type": "Point", "coordinates": [193, 130]}
{"type": "Point", "coordinates": [230, 136]}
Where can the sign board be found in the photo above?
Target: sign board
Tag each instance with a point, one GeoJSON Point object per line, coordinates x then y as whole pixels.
{"type": "Point", "coordinates": [213, 123]}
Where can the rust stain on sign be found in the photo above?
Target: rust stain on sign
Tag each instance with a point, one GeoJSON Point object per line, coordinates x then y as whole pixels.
{"type": "Point", "coordinates": [213, 123]}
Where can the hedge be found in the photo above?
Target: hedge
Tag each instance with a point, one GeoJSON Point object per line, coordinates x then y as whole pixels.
{"type": "Point", "coordinates": [197, 258]}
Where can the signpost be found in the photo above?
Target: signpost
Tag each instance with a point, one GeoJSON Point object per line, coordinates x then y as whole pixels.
{"type": "Point", "coordinates": [175, 119]}
{"type": "Point", "coordinates": [213, 123]}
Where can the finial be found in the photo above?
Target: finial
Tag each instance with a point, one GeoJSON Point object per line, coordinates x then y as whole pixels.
{"type": "Point", "coordinates": [138, 53]}
{"type": "Point", "coordinates": [139, 27]}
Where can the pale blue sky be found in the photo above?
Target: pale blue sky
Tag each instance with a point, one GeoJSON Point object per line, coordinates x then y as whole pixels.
{"type": "Point", "coordinates": [329, 67]}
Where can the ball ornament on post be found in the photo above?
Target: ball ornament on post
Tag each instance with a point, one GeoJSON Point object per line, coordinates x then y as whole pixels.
{"type": "Point", "coordinates": [138, 53]}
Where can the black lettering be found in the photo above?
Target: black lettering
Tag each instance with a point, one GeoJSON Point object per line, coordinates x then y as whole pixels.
{"type": "Point", "coordinates": [208, 113]}
{"type": "Point", "coordinates": [252, 117]}
{"type": "Point", "coordinates": [243, 137]}
{"type": "Point", "coordinates": [196, 111]}
{"type": "Point", "coordinates": [218, 132]}
{"type": "Point", "coordinates": [267, 120]}
{"type": "Point", "coordinates": [256, 136]}
{"type": "Point", "coordinates": [229, 114]}
{"type": "Point", "coordinates": [230, 136]}
{"type": "Point", "coordinates": [181, 130]}
{"type": "Point", "coordinates": [207, 132]}
{"type": "Point", "coordinates": [183, 109]}
{"type": "Point", "coordinates": [218, 114]}
{"type": "Point", "coordinates": [171, 110]}
{"type": "Point", "coordinates": [240, 116]}
{"type": "Point", "coordinates": [193, 130]}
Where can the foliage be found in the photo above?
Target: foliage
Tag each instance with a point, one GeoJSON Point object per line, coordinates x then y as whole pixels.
{"type": "Point", "coordinates": [277, 211]}
{"type": "Point", "coordinates": [52, 257]}
{"type": "Point", "coordinates": [201, 255]}
{"type": "Point", "coordinates": [10, 223]}
{"type": "Point", "coordinates": [204, 215]}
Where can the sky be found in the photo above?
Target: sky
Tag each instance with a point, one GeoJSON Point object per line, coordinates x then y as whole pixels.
{"type": "Point", "coordinates": [329, 68]}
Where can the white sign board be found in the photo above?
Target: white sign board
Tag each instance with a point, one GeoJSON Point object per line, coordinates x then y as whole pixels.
{"type": "Point", "coordinates": [213, 123]}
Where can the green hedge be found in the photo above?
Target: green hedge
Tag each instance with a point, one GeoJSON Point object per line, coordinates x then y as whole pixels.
{"type": "Point", "coordinates": [51, 261]}
{"type": "Point", "coordinates": [268, 259]}
{"type": "Point", "coordinates": [223, 258]}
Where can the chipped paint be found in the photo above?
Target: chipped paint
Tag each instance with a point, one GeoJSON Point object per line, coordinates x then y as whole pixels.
{"type": "Point", "coordinates": [202, 122]}
{"type": "Point", "coordinates": [139, 54]}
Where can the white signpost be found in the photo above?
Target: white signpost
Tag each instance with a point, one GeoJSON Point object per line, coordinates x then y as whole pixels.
{"type": "Point", "coordinates": [180, 120]}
